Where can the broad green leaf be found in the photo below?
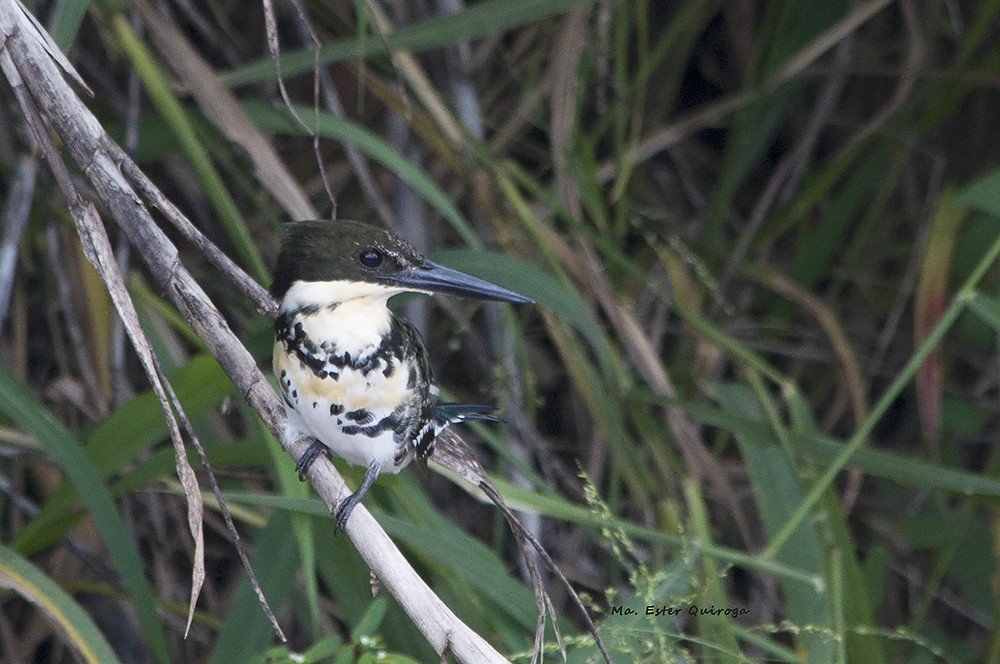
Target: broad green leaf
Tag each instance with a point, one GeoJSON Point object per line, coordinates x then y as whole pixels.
{"type": "Point", "coordinates": [777, 492]}
{"type": "Point", "coordinates": [134, 426]}
{"type": "Point", "coordinates": [66, 22]}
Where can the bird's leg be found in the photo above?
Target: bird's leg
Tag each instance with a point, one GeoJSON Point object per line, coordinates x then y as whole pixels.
{"type": "Point", "coordinates": [314, 450]}
{"type": "Point", "coordinates": [348, 504]}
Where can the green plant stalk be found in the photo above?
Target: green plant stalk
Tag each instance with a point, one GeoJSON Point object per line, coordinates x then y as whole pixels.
{"type": "Point", "coordinates": [717, 630]}
{"type": "Point", "coordinates": [173, 114]}
{"type": "Point", "coordinates": [773, 418]}
{"type": "Point", "coordinates": [838, 610]}
{"type": "Point", "coordinates": [961, 300]}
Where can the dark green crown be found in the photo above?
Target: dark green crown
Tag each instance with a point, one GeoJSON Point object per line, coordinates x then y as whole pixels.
{"type": "Point", "coordinates": [327, 250]}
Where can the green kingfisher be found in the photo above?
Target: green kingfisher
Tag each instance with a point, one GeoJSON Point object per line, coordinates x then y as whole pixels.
{"type": "Point", "coordinates": [354, 376]}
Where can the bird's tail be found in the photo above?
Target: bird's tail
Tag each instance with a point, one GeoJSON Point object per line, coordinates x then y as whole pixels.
{"type": "Point", "coordinates": [446, 414]}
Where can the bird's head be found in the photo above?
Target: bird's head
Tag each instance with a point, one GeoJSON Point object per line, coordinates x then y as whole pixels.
{"type": "Point", "coordinates": [349, 259]}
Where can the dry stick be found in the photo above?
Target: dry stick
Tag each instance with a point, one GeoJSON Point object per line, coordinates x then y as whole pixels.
{"type": "Point", "coordinates": [363, 174]}
{"type": "Point", "coordinates": [86, 142]}
{"type": "Point", "coordinates": [271, 27]}
{"type": "Point", "coordinates": [254, 291]}
{"type": "Point", "coordinates": [97, 248]}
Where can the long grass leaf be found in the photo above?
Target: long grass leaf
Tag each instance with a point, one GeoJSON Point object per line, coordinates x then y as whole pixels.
{"type": "Point", "coordinates": [79, 632]}
{"type": "Point", "coordinates": [482, 19]}
{"type": "Point", "coordinates": [158, 87]}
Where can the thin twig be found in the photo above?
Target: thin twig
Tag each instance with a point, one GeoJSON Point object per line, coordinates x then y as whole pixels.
{"type": "Point", "coordinates": [363, 174]}
{"type": "Point", "coordinates": [271, 26]}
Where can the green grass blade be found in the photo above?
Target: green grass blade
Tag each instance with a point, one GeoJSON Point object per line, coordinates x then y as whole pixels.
{"type": "Point", "coordinates": [246, 630]}
{"type": "Point", "coordinates": [899, 468]}
{"type": "Point", "coordinates": [79, 632]}
{"type": "Point", "coordinates": [481, 19]}
{"type": "Point", "coordinates": [982, 194]}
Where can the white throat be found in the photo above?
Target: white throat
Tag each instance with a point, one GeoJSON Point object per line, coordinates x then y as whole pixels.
{"type": "Point", "coordinates": [351, 316]}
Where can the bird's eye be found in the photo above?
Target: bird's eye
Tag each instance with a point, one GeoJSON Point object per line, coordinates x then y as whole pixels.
{"type": "Point", "coordinates": [371, 258]}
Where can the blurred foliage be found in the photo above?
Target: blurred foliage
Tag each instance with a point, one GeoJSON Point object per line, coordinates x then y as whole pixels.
{"type": "Point", "coordinates": [753, 410]}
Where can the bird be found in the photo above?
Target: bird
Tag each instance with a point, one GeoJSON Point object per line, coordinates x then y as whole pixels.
{"type": "Point", "coordinates": [354, 376]}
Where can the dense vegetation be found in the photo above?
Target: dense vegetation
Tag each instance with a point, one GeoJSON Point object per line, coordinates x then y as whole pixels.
{"type": "Point", "coordinates": [758, 392]}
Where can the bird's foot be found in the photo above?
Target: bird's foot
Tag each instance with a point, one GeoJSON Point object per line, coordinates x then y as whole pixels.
{"type": "Point", "coordinates": [348, 504]}
{"type": "Point", "coordinates": [306, 460]}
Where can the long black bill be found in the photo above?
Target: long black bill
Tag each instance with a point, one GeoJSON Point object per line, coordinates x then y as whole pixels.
{"type": "Point", "coordinates": [440, 279]}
